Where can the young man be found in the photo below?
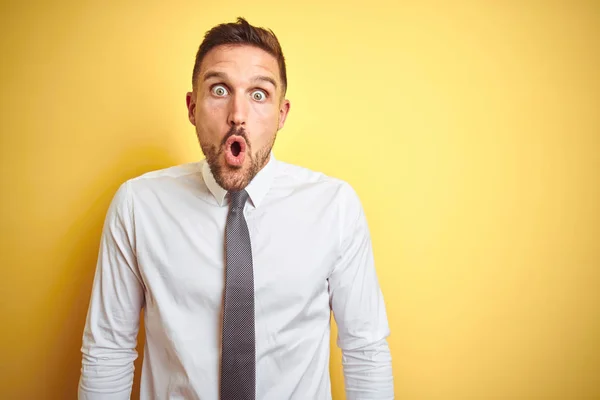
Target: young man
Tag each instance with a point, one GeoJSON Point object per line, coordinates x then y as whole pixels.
{"type": "Point", "coordinates": [237, 260]}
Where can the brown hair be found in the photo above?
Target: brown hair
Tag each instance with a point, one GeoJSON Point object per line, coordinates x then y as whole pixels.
{"type": "Point", "coordinates": [241, 33]}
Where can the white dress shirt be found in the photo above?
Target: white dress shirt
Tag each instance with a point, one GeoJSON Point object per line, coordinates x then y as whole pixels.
{"type": "Point", "coordinates": [162, 250]}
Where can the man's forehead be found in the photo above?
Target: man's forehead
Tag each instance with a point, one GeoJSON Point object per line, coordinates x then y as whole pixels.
{"type": "Point", "coordinates": [248, 58]}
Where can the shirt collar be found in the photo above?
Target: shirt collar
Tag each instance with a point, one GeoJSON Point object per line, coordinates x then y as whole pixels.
{"type": "Point", "coordinates": [257, 188]}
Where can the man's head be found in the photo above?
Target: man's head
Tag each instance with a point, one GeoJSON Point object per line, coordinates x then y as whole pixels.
{"type": "Point", "coordinates": [238, 100]}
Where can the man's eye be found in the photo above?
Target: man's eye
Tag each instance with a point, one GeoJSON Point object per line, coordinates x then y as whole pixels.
{"type": "Point", "coordinates": [258, 95]}
{"type": "Point", "coordinates": [219, 90]}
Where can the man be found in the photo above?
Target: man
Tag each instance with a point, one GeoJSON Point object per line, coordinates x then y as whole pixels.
{"type": "Point", "coordinates": [237, 260]}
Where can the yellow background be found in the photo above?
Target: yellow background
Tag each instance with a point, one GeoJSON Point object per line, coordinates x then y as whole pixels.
{"type": "Point", "coordinates": [469, 129]}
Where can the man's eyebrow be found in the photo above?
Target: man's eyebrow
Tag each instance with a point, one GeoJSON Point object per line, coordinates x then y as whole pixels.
{"type": "Point", "coordinates": [220, 75]}
{"type": "Point", "coordinates": [214, 74]}
{"type": "Point", "coordinates": [265, 78]}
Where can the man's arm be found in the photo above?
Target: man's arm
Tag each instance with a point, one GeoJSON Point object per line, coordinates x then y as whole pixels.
{"type": "Point", "coordinates": [110, 335]}
{"type": "Point", "coordinates": [359, 310]}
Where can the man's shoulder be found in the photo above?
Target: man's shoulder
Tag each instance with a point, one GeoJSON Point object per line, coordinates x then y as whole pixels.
{"type": "Point", "coordinates": [302, 177]}
{"type": "Point", "coordinates": [172, 172]}
{"type": "Point", "coordinates": [165, 180]}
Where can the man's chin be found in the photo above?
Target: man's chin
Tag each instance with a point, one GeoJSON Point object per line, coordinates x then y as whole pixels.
{"type": "Point", "coordinates": [233, 168]}
{"type": "Point", "coordinates": [233, 178]}
{"type": "Point", "coordinates": [231, 183]}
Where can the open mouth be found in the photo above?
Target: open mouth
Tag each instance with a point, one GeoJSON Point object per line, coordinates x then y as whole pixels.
{"type": "Point", "coordinates": [236, 148]}
{"type": "Point", "coordinates": [235, 151]}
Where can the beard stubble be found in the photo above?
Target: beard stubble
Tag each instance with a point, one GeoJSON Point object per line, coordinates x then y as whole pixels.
{"type": "Point", "coordinates": [235, 178]}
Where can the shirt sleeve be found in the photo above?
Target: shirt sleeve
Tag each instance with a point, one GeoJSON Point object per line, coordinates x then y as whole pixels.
{"type": "Point", "coordinates": [359, 309]}
{"type": "Point", "coordinates": [112, 324]}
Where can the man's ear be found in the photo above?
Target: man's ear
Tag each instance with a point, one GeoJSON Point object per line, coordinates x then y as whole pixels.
{"type": "Point", "coordinates": [190, 100]}
{"type": "Point", "coordinates": [284, 109]}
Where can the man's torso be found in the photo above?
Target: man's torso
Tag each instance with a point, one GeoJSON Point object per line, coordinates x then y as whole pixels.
{"type": "Point", "coordinates": [179, 242]}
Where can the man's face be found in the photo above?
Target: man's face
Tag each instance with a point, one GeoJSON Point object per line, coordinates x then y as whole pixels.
{"type": "Point", "coordinates": [237, 109]}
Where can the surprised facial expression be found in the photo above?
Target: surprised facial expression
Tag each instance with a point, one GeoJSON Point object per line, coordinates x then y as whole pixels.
{"type": "Point", "coordinates": [237, 107]}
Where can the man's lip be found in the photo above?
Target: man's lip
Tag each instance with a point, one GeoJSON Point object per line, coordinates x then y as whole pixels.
{"type": "Point", "coordinates": [240, 133]}
{"type": "Point", "coordinates": [236, 138]}
{"type": "Point", "coordinates": [235, 160]}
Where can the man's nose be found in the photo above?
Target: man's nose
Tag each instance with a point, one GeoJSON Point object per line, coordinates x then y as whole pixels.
{"type": "Point", "coordinates": [238, 110]}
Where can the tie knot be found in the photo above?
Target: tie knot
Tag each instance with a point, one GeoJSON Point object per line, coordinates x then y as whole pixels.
{"type": "Point", "coordinates": [237, 199]}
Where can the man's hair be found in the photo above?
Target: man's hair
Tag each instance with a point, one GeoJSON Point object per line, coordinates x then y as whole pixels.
{"type": "Point", "coordinates": [241, 33]}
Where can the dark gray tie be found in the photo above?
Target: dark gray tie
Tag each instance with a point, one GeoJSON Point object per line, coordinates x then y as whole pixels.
{"type": "Point", "coordinates": [238, 358]}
